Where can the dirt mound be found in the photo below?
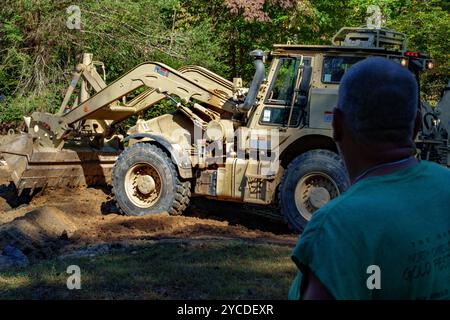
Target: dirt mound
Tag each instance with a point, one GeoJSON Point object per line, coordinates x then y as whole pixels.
{"type": "Point", "coordinates": [38, 232]}
{"type": "Point", "coordinates": [59, 220]}
{"type": "Point", "coordinates": [114, 228]}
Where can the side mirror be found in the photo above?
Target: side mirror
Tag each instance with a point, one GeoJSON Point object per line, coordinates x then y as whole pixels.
{"type": "Point", "coordinates": [301, 100]}
{"type": "Point", "coordinates": [303, 88]}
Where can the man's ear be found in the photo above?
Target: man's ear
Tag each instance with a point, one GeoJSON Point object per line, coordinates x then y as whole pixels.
{"type": "Point", "coordinates": [337, 124]}
{"type": "Point", "coordinates": [417, 124]}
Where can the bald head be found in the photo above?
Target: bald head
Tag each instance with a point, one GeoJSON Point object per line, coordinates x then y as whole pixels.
{"type": "Point", "coordinates": [379, 100]}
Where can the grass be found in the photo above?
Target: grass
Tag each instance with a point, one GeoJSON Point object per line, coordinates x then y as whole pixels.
{"type": "Point", "coordinates": [207, 270]}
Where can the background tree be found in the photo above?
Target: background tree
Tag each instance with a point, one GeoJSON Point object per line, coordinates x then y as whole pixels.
{"type": "Point", "coordinates": [38, 52]}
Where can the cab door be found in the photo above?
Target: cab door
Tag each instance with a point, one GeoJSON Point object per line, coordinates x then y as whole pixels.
{"type": "Point", "coordinates": [284, 104]}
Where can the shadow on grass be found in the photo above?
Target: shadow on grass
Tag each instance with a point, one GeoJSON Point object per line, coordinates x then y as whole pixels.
{"type": "Point", "coordinates": [213, 270]}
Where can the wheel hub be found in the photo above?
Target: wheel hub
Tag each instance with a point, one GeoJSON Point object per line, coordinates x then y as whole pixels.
{"type": "Point", "coordinates": [319, 196]}
{"type": "Point", "coordinates": [145, 184]}
{"type": "Point", "coordinates": [312, 192]}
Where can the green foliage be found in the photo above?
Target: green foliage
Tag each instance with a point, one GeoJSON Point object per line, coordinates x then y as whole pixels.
{"type": "Point", "coordinates": [38, 52]}
{"type": "Point", "coordinates": [425, 22]}
{"type": "Point", "coordinates": [428, 29]}
{"type": "Point", "coordinates": [14, 108]}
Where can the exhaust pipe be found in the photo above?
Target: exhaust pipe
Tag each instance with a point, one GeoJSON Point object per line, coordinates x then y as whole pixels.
{"type": "Point", "coordinates": [260, 74]}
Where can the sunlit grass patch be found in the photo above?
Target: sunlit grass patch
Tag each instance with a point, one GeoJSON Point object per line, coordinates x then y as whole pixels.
{"type": "Point", "coordinates": [211, 270]}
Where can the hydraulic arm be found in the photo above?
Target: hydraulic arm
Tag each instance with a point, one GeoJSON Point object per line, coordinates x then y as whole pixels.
{"type": "Point", "coordinates": [108, 107]}
{"type": "Point", "coordinates": [77, 145]}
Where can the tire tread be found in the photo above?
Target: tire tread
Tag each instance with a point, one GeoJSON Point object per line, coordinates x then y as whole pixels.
{"type": "Point", "coordinates": [182, 188]}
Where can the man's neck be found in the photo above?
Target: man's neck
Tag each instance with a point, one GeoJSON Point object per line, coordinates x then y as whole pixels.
{"type": "Point", "coordinates": [373, 164]}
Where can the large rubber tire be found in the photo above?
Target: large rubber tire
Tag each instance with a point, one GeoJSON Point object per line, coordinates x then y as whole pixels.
{"type": "Point", "coordinates": [173, 195]}
{"type": "Point", "coordinates": [317, 171]}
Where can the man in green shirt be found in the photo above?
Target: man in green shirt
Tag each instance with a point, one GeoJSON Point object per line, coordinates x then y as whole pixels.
{"type": "Point", "coordinates": [388, 235]}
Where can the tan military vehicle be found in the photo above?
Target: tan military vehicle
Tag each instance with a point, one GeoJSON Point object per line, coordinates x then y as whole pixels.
{"type": "Point", "coordinates": [270, 144]}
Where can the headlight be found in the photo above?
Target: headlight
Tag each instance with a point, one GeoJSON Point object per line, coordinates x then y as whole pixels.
{"type": "Point", "coordinates": [404, 62]}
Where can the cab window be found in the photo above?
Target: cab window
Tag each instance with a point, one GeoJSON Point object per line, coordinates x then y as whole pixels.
{"type": "Point", "coordinates": [281, 93]}
{"type": "Point", "coordinates": [334, 68]}
{"type": "Point", "coordinates": [283, 86]}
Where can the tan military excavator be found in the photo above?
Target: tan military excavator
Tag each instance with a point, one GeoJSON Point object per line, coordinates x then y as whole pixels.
{"type": "Point", "coordinates": [269, 144]}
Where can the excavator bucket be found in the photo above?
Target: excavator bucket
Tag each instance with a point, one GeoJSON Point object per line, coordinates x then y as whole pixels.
{"type": "Point", "coordinates": [32, 166]}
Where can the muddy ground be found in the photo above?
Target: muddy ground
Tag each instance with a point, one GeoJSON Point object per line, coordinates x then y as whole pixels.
{"type": "Point", "coordinates": [57, 221]}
